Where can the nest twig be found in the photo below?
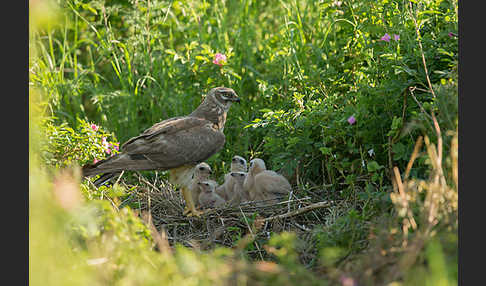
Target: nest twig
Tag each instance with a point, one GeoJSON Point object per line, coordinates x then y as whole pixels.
{"type": "Point", "coordinates": [228, 225]}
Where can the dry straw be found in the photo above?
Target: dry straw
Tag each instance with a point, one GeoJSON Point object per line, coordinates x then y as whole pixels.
{"type": "Point", "coordinates": [232, 226]}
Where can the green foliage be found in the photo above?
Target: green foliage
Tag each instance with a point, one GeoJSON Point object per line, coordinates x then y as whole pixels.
{"type": "Point", "coordinates": [284, 247]}
{"type": "Point", "coordinates": [439, 271]}
{"type": "Point", "coordinates": [127, 65]}
{"type": "Point", "coordinates": [346, 236]}
{"type": "Point", "coordinates": [64, 146]}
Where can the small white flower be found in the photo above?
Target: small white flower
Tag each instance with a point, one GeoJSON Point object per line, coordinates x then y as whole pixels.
{"type": "Point", "coordinates": [337, 3]}
{"type": "Point", "coordinates": [371, 152]}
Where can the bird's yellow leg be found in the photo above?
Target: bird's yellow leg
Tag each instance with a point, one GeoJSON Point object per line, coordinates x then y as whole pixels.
{"type": "Point", "coordinates": [190, 207]}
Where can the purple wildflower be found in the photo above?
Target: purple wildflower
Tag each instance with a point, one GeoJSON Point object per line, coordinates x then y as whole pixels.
{"type": "Point", "coordinates": [386, 38]}
{"type": "Point", "coordinates": [351, 120]}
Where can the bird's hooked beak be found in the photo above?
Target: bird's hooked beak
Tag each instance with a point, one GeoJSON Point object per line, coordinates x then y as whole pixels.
{"type": "Point", "coordinates": [230, 94]}
{"type": "Point", "coordinates": [234, 97]}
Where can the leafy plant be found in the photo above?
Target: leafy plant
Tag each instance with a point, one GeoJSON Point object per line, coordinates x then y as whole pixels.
{"type": "Point", "coordinates": [64, 146]}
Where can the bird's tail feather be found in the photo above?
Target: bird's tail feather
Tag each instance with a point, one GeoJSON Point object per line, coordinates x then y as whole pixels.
{"type": "Point", "coordinates": [100, 167]}
{"type": "Point", "coordinates": [96, 168]}
{"type": "Point", "coordinates": [105, 178]}
{"type": "Point", "coordinates": [120, 162]}
{"type": "Point", "coordinates": [114, 165]}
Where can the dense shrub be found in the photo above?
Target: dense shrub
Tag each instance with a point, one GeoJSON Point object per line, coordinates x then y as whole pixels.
{"type": "Point", "coordinates": [126, 65]}
{"type": "Point", "coordinates": [65, 146]}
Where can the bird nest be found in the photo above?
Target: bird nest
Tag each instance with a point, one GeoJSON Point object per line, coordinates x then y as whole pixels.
{"type": "Point", "coordinates": [230, 226]}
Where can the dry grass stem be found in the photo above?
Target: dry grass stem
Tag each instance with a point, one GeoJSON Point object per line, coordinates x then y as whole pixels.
{"type": "Point", "coordinates": [230, 226]}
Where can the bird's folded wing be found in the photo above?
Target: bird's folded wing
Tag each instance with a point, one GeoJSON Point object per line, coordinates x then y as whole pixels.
{"type": "Point", "coordinates": [176, 142]}
{"type": "Point", "coordinates": [161, 125]}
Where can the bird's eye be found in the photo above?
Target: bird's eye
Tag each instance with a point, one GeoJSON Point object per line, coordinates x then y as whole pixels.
{"type": "Point", "coordinates": [201, 168]}
{"type": "Point", "coordinates": [242, 162]}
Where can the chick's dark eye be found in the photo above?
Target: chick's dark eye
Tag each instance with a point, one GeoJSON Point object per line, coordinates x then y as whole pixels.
{"type": "Point", "coordinates": [201, 168]}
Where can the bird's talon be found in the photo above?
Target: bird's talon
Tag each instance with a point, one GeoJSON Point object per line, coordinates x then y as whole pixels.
{"type": "Point", "coordinates": [195, 213]}
{"type": "Point", "coordinates": [189, 212]}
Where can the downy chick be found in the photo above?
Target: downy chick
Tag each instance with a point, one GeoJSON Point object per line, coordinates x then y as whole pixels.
{"type": "Point", "coordinates": [263, 184]}
{"type": "Point", "coordinates": [201, 172]}
{"type": "Point", "coordinates": [207, 196]}
{"type": "Point", "coordinates": [240, 195]}
{"type": "Point", "coordinates": [256, 166]}
{"type": "Point", "coordinates": [226, 190]}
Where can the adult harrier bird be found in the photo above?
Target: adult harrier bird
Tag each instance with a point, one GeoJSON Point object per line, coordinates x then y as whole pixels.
{"type": "Point", "coordinates": [175, 144]}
